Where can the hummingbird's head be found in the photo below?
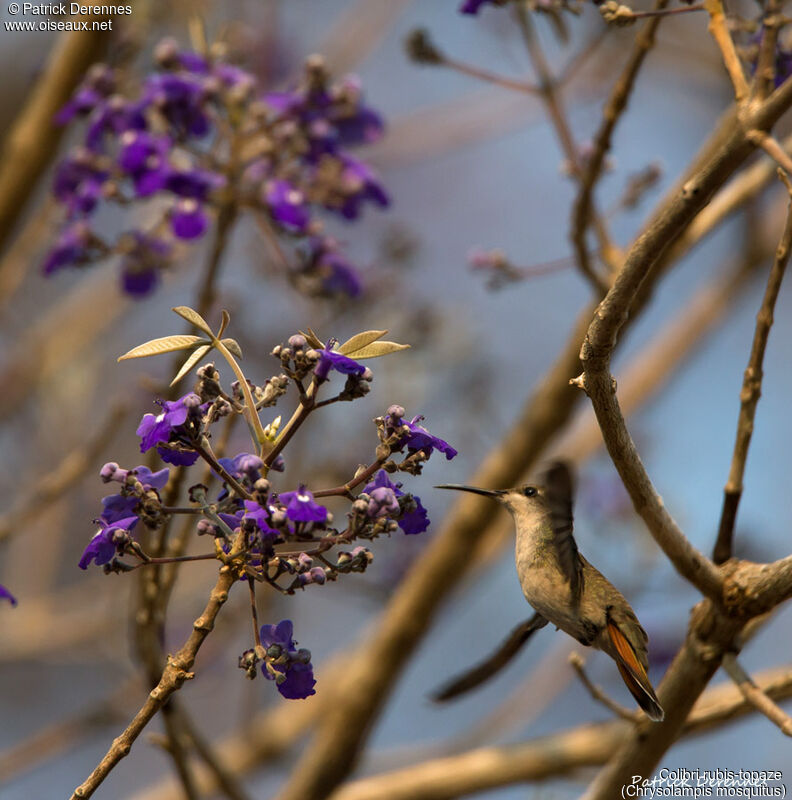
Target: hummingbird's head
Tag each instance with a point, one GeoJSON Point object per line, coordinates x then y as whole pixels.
{"type": "Point", "coordinates": [527, 499]}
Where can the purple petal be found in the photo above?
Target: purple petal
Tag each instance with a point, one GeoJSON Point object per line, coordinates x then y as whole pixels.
{"type": "Point", "coordinates": [299, 682]}
{"type": "Point", "coordinates": [188, 220]}
{"type": "Point", "coordinates": [6, 595]}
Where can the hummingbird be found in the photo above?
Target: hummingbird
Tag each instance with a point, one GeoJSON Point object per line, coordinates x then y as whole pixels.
{"type": "Point", "coordinates": [563, 588]}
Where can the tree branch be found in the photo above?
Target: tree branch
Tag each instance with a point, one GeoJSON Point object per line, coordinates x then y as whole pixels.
{"type": "Point", "coordinates": [175, 673]}
{"type": "Point", "coordinates": [611, 113]}
{"type": "Point", "coordinates": [755, 696]}
{"type": "Point", "coordinates": [749, 396]}
{"type": "Point", "coordinates": [33, 140]}
{"type": "Point", "coordinates": [554, 755]}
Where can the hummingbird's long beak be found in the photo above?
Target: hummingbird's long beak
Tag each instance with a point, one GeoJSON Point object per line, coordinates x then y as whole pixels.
{"type": "Point", "coordinates": [494, 493]}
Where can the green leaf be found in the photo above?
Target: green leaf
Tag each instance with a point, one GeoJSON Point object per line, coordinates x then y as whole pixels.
{"type": "Point", "coordinates": [226, 318]}
{"type": "Point", "coordinates": [233, 346]}
{"type": "Point", "coordinates": [313, 339]}
{"type": "Point", "coordinates": [195, 318]}
{"type": "Point", "coordinates": [359, 341]}
{"type": "Point", "coordinates": [166, 344]}
{"type": "Point", "coordinates": [191, 361]}
{"type": "Point", "coordinates": [377, 349]}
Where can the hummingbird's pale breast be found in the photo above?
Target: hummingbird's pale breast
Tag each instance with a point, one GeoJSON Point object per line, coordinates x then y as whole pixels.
{"type": "Point", "coordinates": [545, 585]}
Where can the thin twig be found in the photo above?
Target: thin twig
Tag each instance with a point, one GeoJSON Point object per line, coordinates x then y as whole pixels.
{"type": "Point", "coordinates": [578, 664]}
{"type": "Point", "coordinates": [554, 105]}
{"type": "Point", "coordinates": [719, 30]}
{"type": "Point", "coordinates": [764, 78]}
{"type": "Point", "coordinates": [487, 76]}
{"type": "Point", "coordinates": [346, 488]}
{"type": "Point", "coordinates": [755, 696]}
{"type": "Point", "coordinates": [749, 396]}
{"type": "Point", "coordinates": [611, 114]}
{"type": "Point", "coordinates": [773, 148]}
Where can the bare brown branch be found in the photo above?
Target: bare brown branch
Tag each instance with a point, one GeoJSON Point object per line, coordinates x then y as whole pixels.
{"type": "Point", "coordinates": [579, 665]}
{"type": "Point", "coordinates": [32, 141]}
{"type": "Point", "coordinates": [611, 114]}
{"type": "Point", "coordinates": [175, 673]}
{"type": "Point", "coordinates": [749, 397]}
{"type": "Point", "coordinates": [755, 696]}
{"type": "Point", "coordinates": [557, 754]}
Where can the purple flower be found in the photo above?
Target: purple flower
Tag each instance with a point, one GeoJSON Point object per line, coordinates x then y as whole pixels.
{"type": "Point", "coordinates": [356, 123]}
{"type": "Point", "coordinates": [244, 465]}
{"type": "Point", "coordinates": [85, 99]}
{"type": "Point", "coordinates": [359, 184]}
{"type": "Point", "coordinates": [299, 680]}
{"type": "Point", "coordinates": [148, 479]}
{"type": "Point", "coordinates": [300, 506]}
{"type": "Point", "coordinates": [99, 83]}
{"type": "Point", "coordinates": [116, 507]}
{"type": "Point", "coordinates": [171, 425]}
{"type": "Point", "coordinates": [472, 6]}
{"type": "Point", "coordinates": [6, 595]}
{"type": "Point", "coordinates": [107, 540]}
{"type": "Point", "coordinates": [261, 516]}
{"type": "Point", "coordinates": [416, 521]}
{"type": "Point", "coordinates": [180, 99]}
{"type": "Point", "coordinates": [78, 183]}
{"type": "Point", "coordinates": [145, 257]}
{"type": "Point", "coordinates": [145, 158]}
{"type": "Point", "coordinates": [329, 117]}
{"type": "Point", "coordinates": [287, 205]}
{"type": "Point", "coordinates": [115, 116]}
{"type": "Point", "coordinates": [420, 439]}
{"type": "Point", "coordinates": [233, 77]}
{"type": "Point", "coordinates": [329, 359]}
{"type": "Point", "coordinates": [169, 55]}
{"type": "Point", "coordinates": [75, 246]}
{"type": "Point", "coordinates": [188, 220]}
{"type": "Point", "coordinates": [337, 274]}
{"type": "Point", "coordinates": [193, 183]}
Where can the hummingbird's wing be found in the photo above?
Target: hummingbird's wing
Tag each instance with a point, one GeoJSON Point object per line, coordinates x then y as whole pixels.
{"type": "Point", "coordinates": [559, 490]}
{"type": "Point", "coordinates": [486, 669]}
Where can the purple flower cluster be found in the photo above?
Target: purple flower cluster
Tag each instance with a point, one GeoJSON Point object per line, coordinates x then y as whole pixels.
{"type": "Point", "coordinates": [173, 431]}
{"type": "Point", "coordinates": [414, 436]}
{"type": "Point", "coordinates": [119, 511]}
{"type": "Point", "coordinates": [281, 540]}
{"type": "Point", "coordinates": [384, 496]}
{"type": "Point", "coordinates": [200, 135]}
{"type": "Point", "coordinates": [284, 663]}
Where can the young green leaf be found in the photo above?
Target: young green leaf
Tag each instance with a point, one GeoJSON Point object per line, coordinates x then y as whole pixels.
{"type": "Point", "coordinates": [233, 346]}
{"type": "Point", "coordinates": [191, 361]}
{"type": "Point", "coordinates": [377, 349]}
{"type": "Point", "coordinates": [313, 339]}
{"type": "Point", "coordinates": [359, 341]}
{"type": "Point", "coordinates": [226, 318]}
{"type": "Point", "coordinates": [193, 317]}
{"type": "Point", "coordinates": [166, 344]}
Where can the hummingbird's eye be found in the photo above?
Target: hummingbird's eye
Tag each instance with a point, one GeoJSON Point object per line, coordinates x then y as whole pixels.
{"type": "Point", "coordinates": [529, 491]}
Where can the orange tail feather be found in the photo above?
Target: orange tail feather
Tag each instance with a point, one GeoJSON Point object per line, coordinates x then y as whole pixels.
{"type": "Point", "coordinates": [634, 674]}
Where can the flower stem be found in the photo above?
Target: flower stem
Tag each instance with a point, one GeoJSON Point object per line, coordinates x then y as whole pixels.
{"type": "Point", "coordinates": [361, 477]}
{"type": "Point", "coordinates": [203, 448]}
{"type": "Point", "coordinates": [307, 404]}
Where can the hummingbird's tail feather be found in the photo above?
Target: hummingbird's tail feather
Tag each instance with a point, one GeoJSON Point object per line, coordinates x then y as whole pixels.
{"type": "Point", "coordinates": [634, 674]}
